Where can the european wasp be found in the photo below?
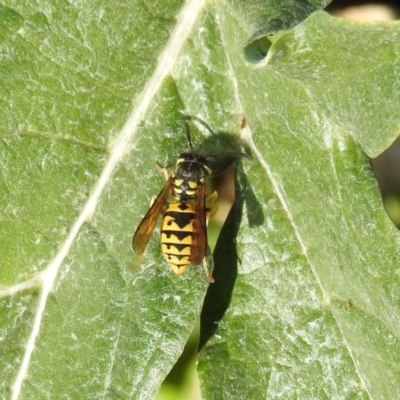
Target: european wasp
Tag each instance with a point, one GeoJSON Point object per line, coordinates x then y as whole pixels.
{"type": "Point", "coordinates": [185, 206]}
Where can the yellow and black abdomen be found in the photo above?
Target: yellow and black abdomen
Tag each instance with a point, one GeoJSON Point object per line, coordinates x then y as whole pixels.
{"type": "Point", "coordinates": [177, 234]}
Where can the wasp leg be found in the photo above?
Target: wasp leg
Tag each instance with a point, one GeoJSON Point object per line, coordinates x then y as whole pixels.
{"type": "Point", "coordinates": [210, 199]}
{"type": "Point", "coordinates": [153, 199]}
{"type": "Point", "coordinates": [211, 208]}
{"type": "Point", "coordinates": [207, 271]}
{"type": "Point", "coordinates": [205, 264]}
{"type": "Point", "coordinates": [162, 169]}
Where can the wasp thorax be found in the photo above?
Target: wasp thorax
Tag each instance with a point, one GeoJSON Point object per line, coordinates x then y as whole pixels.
{"type": "Point", "coordinates": [187, 178]}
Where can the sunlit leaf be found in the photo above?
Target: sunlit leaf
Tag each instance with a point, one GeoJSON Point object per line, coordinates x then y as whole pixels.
{"type": "Point", "coordinates": [305, 299]}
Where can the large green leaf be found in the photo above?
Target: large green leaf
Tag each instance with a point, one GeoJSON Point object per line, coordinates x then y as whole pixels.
{"type": "Point", "coordinates": [313, 310]}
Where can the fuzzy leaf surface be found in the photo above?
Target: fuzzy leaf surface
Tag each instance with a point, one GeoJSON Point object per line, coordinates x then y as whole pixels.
{"type": "Point", "coordinates": [90, 96]}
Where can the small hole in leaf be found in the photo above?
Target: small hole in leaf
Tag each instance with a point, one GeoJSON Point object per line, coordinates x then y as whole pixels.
{"type": "Point", "coordinates": [257, 50]}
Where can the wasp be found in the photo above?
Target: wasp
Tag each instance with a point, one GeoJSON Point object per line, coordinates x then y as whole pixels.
{"type": "Point", "coordinates": [185, 207]}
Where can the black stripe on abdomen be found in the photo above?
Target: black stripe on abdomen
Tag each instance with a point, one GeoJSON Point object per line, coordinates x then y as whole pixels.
{"type": "Point", "coordinates": [177, 220]}
{"type": "Point", "coordinates": [177, 235]}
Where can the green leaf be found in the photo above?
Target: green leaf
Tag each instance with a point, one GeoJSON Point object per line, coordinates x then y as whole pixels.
{"type": "Point", "coordinates": [350, 70]}
{"type": "Point", "coordinates": [90, 98]}
{"type": "Point", "coordinates": [77, 174]}
{"type": "Point", "coordinates": [313, 311]}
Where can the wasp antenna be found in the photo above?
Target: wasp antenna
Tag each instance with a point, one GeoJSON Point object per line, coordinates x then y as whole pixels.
{"type": "Point", "coordinates": [187, 131]}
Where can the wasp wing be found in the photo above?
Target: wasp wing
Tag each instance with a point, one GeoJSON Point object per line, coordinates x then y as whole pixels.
{"type": "Point", "coordinates": [199, 236]}
{"type": "Point", "coordinates": [146, 226]}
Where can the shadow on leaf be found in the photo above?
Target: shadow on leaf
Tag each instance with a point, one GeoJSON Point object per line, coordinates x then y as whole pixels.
{"type": "Point", "coordinates": [226, 259]}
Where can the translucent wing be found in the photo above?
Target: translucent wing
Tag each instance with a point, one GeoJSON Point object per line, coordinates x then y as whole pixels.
{"type": "Point", "coordinates": [199, 237]}
{"type": "Point", "coordinates": [145, 229]}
